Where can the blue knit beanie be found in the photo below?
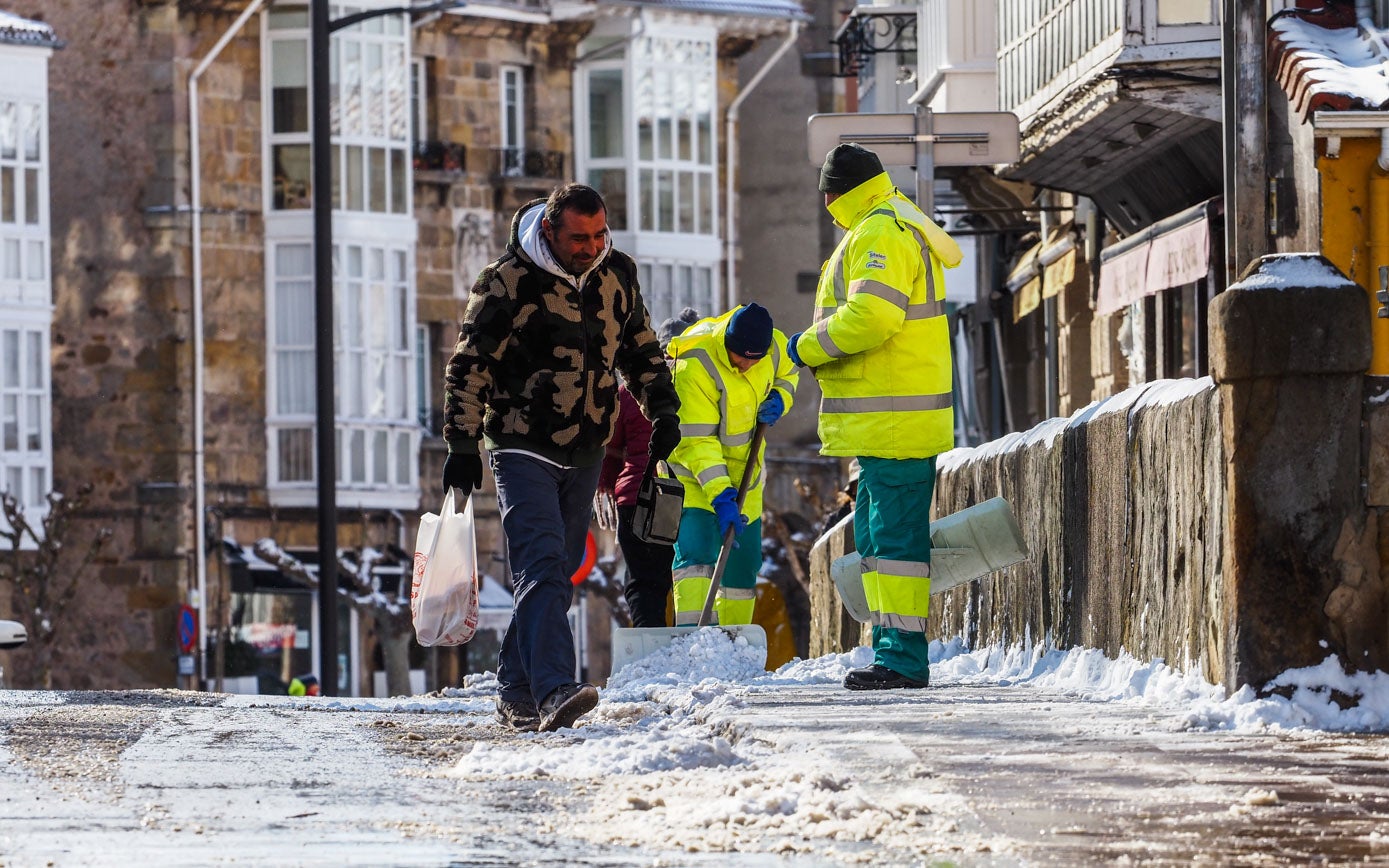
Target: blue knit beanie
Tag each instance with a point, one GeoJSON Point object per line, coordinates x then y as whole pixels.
{"type": "Point", "coordinates": [749, 332]}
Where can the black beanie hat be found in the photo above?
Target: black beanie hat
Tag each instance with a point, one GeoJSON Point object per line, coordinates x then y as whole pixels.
{"type": "Point", "coordinates": [749, 332]}
{"type": "Point", "coordinates": [847, 166]}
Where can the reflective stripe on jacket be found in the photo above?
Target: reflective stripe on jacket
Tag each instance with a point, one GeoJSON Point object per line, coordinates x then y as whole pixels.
{"type": "Point", "coordinates": [880, 345]}
{"type": "Point", "coordinates": [718, 411]}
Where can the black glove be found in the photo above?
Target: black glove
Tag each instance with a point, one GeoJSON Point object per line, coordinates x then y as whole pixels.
{"type": "Point", "coordinates": [665, 436]}
{"type": "Point", "coordinates": [463, 470]}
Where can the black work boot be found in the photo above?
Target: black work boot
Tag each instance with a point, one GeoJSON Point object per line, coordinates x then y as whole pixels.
{"type": "Point", "coordinates": [566, 704]}
{"type": "Point", "coordinates": [877, 677]}
{"type": "Point", "coordinates": [520, 715]}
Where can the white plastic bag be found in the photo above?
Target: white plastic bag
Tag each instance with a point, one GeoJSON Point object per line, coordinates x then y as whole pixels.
{"type": "Point", "coordinates": [443, 595]}
{"type": "Point", "coordinates": [605, 509]}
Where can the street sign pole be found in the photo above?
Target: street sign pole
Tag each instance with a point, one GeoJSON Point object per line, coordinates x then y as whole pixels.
{"type": "Point", "coordinates": [925, 161]}
{"type": "Point", "coordinates": [325, 418]}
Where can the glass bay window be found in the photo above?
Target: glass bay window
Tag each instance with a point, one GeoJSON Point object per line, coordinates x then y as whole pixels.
{"type": "Point", "coordinates": [373, 260]}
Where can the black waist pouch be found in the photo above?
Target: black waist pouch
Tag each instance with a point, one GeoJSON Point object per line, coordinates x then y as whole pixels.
{"type": "Point", "coordinates": [660, 500]}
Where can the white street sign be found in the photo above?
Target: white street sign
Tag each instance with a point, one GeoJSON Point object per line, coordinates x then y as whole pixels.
{"type": "Point", "coordinates": [956, 138]}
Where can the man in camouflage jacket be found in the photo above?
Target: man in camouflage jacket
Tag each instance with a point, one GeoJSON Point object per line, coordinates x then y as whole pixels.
{"type": "Point", "coordinates": [533, 376]}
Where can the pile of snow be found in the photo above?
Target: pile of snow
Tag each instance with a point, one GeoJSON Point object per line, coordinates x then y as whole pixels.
{"type": "Point", "coordinates": [1323, 697]}
{"type": "Point", "coordinates": [1294, 271]}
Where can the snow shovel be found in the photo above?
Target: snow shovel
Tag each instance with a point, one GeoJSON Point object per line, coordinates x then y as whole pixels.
{"type": "Point", "coordinates": [633, 643]}
{"type": "Point", "coordinates": [965, 546]}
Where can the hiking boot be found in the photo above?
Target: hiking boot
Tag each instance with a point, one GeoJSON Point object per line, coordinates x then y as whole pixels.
{"type": "Point", "coordinates": [521, 715]}
{"type": "Point", "coordinates": [877, 677]}
{"type": "Point", "coordinates": [566, 704]}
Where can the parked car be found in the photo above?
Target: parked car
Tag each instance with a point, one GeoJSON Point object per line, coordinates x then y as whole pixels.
{"type": "Point", "coordinates": [12, 634]}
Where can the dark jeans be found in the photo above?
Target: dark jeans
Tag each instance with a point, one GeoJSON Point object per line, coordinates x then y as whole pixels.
{"type": "Point", "coordinates": [648, 573]}
{"type": "Point", "coordinates": [545, 513]}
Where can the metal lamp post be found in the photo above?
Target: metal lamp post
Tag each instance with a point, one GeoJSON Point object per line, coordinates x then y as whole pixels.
{"type": "Point", "coordinates": [321, 28]}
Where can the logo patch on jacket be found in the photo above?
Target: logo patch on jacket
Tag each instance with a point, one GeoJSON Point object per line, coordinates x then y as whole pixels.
{"type": "Point", "coordinates": [876, 260]}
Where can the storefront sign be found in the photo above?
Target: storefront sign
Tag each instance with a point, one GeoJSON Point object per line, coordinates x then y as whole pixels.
{"type": "Point", "coordinates": [1164, 259]}
{"type": "Point", "coordinates": [1181, 256]}
{"type": "Point", "coordinates": [1123, 280]}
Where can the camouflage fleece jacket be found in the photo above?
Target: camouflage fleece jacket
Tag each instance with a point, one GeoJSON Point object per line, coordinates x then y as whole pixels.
{"type": "Point", "coordinates": [534, 368]}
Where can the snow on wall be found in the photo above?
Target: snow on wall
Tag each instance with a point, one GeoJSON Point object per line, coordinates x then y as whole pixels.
{"type": "Point", "coordinates": [1121, 505]}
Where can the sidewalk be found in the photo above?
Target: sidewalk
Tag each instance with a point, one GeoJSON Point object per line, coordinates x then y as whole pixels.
{"type": "Point", "coordinates": [1041, 779]}
{"type": "Point", "coordinates": [677, 769]}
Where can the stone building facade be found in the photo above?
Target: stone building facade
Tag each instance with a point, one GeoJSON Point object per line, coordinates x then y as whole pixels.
{"type": "Point", "coordinates": [443, 125]}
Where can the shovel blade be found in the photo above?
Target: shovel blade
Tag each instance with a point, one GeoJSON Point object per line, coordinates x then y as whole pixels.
{"type": "Point", "coordinates": [634, 643]}
{"type": "Point", "coordinates": [965, 546]}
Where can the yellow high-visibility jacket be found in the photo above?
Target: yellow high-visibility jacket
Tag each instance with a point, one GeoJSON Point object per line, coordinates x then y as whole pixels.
{"type": "Point", "coordinates": [718, 411]}
{"type": "Point", "coordinates": [880, 345]}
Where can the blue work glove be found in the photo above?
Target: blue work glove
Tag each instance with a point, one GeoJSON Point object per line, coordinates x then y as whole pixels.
{"type": "Point", "coordinates": [727, 512]}
{"type": "Point", "coordinates": [791, 349]}
{"type": "Point", "coordinates": [772, 408]}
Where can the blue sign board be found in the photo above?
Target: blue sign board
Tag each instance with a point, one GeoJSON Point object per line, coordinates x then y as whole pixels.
{"type": "Point", "coordinates": [187, 629]}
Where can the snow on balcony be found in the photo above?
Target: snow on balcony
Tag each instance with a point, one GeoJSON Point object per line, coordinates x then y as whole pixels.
{"type": "Point", "coordinates": [21, 31]}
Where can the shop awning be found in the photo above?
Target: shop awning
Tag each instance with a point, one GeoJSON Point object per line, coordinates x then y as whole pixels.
{"type": "Point", "coordinates": [1171, 252]}
{"type": "Point", "coordinates": [1044, 271]}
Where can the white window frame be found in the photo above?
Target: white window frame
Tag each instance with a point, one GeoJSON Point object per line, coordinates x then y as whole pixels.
{"type": "Point", "coordinates": [424, 383]}
{"type": "Point", "coordinates": [374, 357]}
{"type": "Point", "coordinates": [362, 421]}
{"type": "Point", "coordinates": [1156, 33]}
{"type": "Point", "coordinates": [26, 409]}
{"type": "Point", "coordinates": [701, 246]}
{"type": "Point", "coordinates": [671, 285]}
{"type": "Point", "coordinates": [26, 289]}
{"type": "Point", "coordinates": [511, 79]}
{"type": "Point", "coordinates": [374, 135]}
{"type": "Point", "coordinates": [419, 99]}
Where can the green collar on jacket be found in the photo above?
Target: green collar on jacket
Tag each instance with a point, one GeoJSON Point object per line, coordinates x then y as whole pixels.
{"type": "Point", "coordinates": [851, 207]}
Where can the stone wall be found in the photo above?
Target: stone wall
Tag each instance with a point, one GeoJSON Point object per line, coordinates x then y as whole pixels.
{"type": "Point", "coordinates": [1123, 533]}
{"type": "Point", "coordinates": [121, 351]}
{"type": "Point", "coordinates": [1290, 358]}
{"type": "Point", "coordinates": [1218, 524]}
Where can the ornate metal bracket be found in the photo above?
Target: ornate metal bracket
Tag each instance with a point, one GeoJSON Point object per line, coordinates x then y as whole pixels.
{"type": "Point", "coordinates": [871, 30]}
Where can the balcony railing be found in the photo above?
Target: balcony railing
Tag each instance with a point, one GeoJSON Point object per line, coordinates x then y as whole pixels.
{"type": "Point", "coordinates": [1048, 46]}
{"type": "Point", "coordinates": [871, 30]}
{"type": "Point", "coordinates": [529, 163]}
{"type": "Point", "coordinates": [440, 157]}
{"type": "Point", "coordinates": [494, 162]}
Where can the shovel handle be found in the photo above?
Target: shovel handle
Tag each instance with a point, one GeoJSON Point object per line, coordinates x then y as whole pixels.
{"type": "Point", "coordinates": [727, 548]}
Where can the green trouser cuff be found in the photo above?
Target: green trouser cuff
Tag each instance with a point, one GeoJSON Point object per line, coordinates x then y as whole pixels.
{"type": "Point", "coordinates": [904, 652]}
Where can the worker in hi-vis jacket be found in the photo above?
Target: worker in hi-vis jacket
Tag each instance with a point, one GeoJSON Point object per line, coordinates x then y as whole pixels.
{"type": "Point", "coordinates": [731, 372]}
{"type": "Point", "coordinates": [880, 351]}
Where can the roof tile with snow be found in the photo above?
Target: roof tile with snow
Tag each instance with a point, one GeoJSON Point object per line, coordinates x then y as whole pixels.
{"type": "Point", "coordinates": [1326, 60]}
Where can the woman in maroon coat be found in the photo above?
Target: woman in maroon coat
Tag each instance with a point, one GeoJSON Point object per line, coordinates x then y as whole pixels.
{"type": "Point", "coordinates": [648, 564]}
